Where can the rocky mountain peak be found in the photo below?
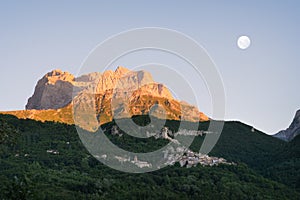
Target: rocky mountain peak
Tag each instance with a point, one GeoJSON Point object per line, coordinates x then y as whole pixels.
{"type": "Point", "coordinates": [292, 131]}
{"type": "Point", "coordinates": [121, 70]}
{"type": "Point", "coordinates": [53, 91]}
{"type": "Point", "coordinates": [112, 92]}
{"type": "Point", "coordinates": [57, 74]}
{"type": "Point", "coordinates": [297, 116]}
{"type": "Point", "coordinates": [296, 121]}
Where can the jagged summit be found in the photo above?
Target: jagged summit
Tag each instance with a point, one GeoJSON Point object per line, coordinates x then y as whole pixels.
{"type": "Point", "coordinates": [58, 74]}
{"type": "Point", "coordinates": [55, 72]}
{"type": "Point", "coordinates": [121, 70]}
{"type": "Point", "coordinates": [292, 131]}
{"type": "Point", "coordinates": [122, 93]}
{"type": "Point", "coordinates": [53, 91]}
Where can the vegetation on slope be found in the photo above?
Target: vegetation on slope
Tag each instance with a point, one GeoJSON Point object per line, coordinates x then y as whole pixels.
{"type": "Point", "coordinates": [29, 172]}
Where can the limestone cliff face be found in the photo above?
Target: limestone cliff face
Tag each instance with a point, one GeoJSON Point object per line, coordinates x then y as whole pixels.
{"type": "Point", "coordinates": [53, 91]}
{"type": "Point", "coordinates": [113, 94]}
{"type": "Point", "coordinates": [292, 131]}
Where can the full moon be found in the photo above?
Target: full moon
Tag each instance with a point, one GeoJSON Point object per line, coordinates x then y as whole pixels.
{"type": "Point", "coordinates": [243, 42]}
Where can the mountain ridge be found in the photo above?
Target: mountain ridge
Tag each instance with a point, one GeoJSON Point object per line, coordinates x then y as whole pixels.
{"type": "Point", "coordinates": [112, 94]}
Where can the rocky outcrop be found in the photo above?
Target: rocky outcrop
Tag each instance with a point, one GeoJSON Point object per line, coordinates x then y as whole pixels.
{"type": "Point", "coordinates": [292, 131]}
{"type": "Point", "coordinates": [53, 91]}
{"type": "Point", "coordinates": [113, 94]}
{"type": "Point", "coordinates": [56, 88]}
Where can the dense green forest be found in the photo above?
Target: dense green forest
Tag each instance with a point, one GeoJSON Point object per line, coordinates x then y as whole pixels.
{"type": "Point", "coordinates": [267, 168]}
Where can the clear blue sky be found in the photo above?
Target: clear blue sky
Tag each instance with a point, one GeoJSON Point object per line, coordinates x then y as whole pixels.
{"type": "Point", "coordinates": [261, 82]}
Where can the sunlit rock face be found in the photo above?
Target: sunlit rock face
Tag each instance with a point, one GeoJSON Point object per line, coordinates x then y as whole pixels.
{"type": "Point", "coordinates": [292, 131]}
{"type": "Point", "coordinates": [113, 94]}
{"type": "Point", "coordinates": [55, 89]}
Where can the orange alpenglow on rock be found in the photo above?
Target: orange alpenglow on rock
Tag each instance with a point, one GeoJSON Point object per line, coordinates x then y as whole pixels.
{"type": "Point", "coordinates": [119, 93]}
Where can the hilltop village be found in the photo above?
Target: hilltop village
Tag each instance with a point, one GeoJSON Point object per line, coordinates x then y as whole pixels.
{"type": "Point", "coordinates": [184, 156]}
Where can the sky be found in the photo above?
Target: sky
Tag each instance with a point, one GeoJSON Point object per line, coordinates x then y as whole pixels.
{"type": "Point", "coordinates": [260, 82]}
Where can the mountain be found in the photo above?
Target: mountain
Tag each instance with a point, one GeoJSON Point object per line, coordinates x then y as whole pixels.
{"type": "Point", "coordinates": [53, 91]}
{"type": "Point", "coordinates": [292, 131]}
{"type": "Point", "coordinates": [113, 94]}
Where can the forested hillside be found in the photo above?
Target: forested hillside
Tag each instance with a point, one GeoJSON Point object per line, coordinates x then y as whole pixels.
{"type": "Point", "coordinates": [266, 167]}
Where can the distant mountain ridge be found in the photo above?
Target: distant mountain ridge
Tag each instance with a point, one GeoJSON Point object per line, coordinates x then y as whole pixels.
{"type": "Point", "coordinates": [129, 92]}
{"type": "Point", "coordinates": [292, 131]}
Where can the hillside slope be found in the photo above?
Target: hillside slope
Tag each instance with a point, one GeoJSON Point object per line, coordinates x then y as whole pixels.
{"type": "Point", "coordinates": [27, 167]}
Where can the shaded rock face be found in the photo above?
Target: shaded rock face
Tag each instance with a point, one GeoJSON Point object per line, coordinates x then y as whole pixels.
{"type": "Point", "coordinates": [53, 91]}
{"type": "Point", "coordinates": [113, 94]}
{"type": "Point", "coordinates": [292, 131]}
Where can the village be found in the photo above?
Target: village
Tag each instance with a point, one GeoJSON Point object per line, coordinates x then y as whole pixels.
{"type": "Point", "coordinates": [186, 158]}
{"type": "Point", "coordinates": [178, 154]}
